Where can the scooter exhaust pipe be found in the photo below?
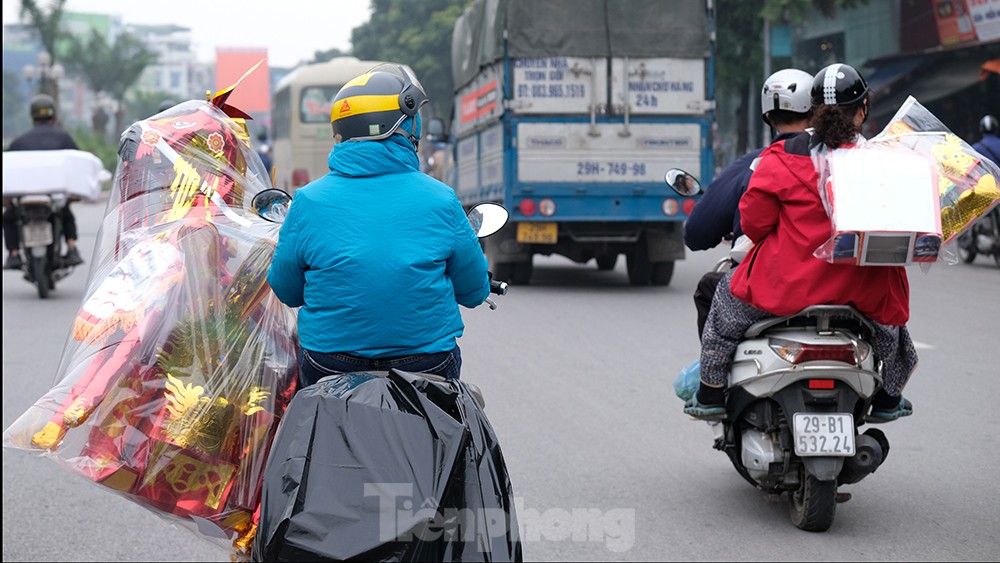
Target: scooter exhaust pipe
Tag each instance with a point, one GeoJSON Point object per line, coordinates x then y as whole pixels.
{"type": "Point", "coordinates": [871, 451]}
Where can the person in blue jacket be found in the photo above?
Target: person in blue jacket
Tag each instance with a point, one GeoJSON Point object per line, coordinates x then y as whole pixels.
{"type": "Point", "coordinates": [785, 107]}
{"type": "Point", "coordinates": [378, 255]}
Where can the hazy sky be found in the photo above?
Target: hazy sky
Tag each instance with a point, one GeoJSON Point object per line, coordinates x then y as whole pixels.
{"type": "Point", "coordinates": [291, 30]}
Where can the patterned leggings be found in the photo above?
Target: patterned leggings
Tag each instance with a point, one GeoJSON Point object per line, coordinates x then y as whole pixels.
{"type": "Point", "coordinates": [729, 319]}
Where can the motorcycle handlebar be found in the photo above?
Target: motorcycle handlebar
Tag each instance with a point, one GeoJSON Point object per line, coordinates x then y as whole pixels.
{"type": "Point", "coordinates": [498, 287]}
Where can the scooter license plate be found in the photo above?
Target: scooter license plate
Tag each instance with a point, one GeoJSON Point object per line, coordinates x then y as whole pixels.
{"type": "Point", "coordinates": [823, 434]}
{"type": "Point", "coordinates": [538, 233]}
{"type": "Point", "coordinates": [36, 233]}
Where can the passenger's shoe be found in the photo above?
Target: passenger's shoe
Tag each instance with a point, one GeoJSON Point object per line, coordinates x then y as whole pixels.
{"type": "Point", "coordinates": [709, 403]}
{"type": "Point", "coordinates": [880, 414]}
{"type": "Point", "coordinates": [14, 262]}
{"type": "Point", "coordinates": [72, 258]}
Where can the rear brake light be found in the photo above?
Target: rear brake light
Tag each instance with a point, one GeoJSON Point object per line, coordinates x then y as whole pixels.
{"type": "Point", "coordinates": [798, 353]}
{"type": "Point", "coordinates": [527, 207]}
{"type": "Point", "coordinates": [688, 206]}
{"type": "Point", "coordinates": [300, 178]}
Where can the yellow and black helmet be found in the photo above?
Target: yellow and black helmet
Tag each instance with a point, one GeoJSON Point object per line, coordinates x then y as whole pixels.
{"type": "Point", "coordinates": [372, 106]}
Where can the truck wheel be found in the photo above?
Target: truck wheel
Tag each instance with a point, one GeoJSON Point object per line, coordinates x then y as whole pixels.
{"type": "Point", "coordinates": [504, 271]}
{"type": "Point", "coordinates": [662, 272]}
{"type": "Point", "coordinates": [522, 272]}
{"type": "Point", "coordinates": [41, 276]}
{"type": "Point", "coordinates": [606, 262]}
{"type": "Point", "coordinates": [517, 273]}
{"type": "Point", "coordinates": [640, 269]}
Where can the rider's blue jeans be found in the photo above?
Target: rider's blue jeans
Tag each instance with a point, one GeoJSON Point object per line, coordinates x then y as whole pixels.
{"type": "Point", "coordinates": [317, 365]}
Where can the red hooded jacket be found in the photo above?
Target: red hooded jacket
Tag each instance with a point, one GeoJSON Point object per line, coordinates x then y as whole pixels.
{"type": "Point", "coordinates": [783, 214]}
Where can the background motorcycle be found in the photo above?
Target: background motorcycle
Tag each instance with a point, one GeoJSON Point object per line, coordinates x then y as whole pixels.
{"type": "Point", "coordinates": [799, 388]}
{"type": "Point", "coordinates": [983, 238]}
{"type": "Point", "coordinates": [39, 220]}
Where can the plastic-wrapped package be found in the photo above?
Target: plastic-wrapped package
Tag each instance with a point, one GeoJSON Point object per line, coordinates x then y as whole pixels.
{"type": "Point", "coordinates": [181, 360]}
{"type": "Point", "coordinates": [929, 158]}
{"type": "Point", "coordinates": [386, 467]}
{"type": "Point", "coordinates": [687, 381]}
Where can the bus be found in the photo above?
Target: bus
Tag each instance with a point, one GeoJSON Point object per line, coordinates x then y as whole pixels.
{"type": "Point", "coordinates": [301, 135]}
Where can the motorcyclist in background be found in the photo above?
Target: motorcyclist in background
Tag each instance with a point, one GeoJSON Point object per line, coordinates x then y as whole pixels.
{"type": "Point", "coordinates": [785, 106]}
{"type": "Point", "coordinates": [989, 144]}
{"type": "Point", "coordinates": [782, 212]}
{"type": "Point", "coordinates": [378, 255]}
{"type": "Point", "coordinates": [46, 135]}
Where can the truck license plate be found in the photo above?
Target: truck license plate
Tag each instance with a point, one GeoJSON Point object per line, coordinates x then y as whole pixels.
{"type": "Point", "coordinates": [539, 233]}
{"type": "Point", "coordinates": [37, 233]}
{"type": "Point", "coordinates": [824, 434]}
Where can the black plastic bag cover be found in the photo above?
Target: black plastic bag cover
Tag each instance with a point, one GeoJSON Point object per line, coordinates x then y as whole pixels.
{"type": "Point", "coordinates": [386, 468]}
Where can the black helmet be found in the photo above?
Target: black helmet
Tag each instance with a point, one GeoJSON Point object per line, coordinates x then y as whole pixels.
{"type": "Point", "coordinates": [43, 107]}
{"type": "Point", "coordinates": [988, 125]}
{"type": "Point", "coordinates": [372, 106]}
{"type": "Point", "coordinates": [838, 84]}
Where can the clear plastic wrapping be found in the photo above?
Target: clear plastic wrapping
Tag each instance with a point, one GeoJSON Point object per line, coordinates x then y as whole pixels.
{"type": "Point", "coordinates": [181, 360]}
{"type": "Point", "coordinates": [963, 182]}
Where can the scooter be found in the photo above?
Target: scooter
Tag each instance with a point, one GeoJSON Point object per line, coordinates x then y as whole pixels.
{"type": "Point", "coordinates": [39, 219]}
{"type": "Point", "coordinates": [983, 238]}
{"type": "Point", "coordinates": [798, 391]}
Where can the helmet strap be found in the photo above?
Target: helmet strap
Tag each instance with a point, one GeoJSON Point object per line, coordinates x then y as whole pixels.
{"type": "Point", "coordinates": [409, 137]}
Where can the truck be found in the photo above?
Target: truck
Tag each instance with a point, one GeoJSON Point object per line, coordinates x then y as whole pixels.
{"type": "Point", "coordinates": [569, 113]}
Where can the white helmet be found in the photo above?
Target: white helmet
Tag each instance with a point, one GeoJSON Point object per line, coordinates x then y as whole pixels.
{"type": "Point", "coordinates": [787, 90]}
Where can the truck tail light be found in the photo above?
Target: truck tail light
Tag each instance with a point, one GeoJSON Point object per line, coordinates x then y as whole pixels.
{"type": "Point", "coordinates": [670, 207]}
{"type": "Point", "coordinates": [547, 207]}
{"type": "Point", "coordinates": [688, 206]}
{"type": "Point", "coordinates": [527, 207]}
{"type": "Point", "coordinates": [300, 177]}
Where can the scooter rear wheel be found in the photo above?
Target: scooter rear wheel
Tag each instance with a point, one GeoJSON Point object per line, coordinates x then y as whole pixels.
{"type": "Point", "coordinates": [814, 504]}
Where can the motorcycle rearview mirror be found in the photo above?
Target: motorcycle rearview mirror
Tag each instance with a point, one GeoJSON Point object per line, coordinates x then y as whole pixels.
{"type": "Point", "coordinates": [487, 218]}
{"type": "Point", "coordinates": [682, 182]}
{"type": "Point", "coordinates": [271, 205]}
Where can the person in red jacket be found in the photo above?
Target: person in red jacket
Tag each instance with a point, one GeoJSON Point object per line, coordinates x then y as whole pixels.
{"type": "Point", "coordinates": [782, 212]}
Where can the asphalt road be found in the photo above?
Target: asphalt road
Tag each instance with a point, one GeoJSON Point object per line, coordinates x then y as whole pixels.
{"type": "Point", "coordinates": [577, 371]}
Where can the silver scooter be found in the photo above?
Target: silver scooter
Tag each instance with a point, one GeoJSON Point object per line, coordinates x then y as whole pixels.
{"type": "Point", "coordinates": [799, 388]}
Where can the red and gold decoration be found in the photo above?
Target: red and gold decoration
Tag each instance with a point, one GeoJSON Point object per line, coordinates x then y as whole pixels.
{"type": "Point", "coordinates": [182, 361]}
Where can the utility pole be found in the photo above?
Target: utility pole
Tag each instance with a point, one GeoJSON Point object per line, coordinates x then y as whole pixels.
{"type": "Point", "coordinates": [765, 131]}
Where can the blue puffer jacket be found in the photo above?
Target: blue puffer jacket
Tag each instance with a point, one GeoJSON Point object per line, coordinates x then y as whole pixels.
{"type": "Point", "coordinates": [378, 255]}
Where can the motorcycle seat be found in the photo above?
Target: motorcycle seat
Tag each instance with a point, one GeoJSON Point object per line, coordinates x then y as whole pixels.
{"type": "Point", "coordinates": [824, 317]}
